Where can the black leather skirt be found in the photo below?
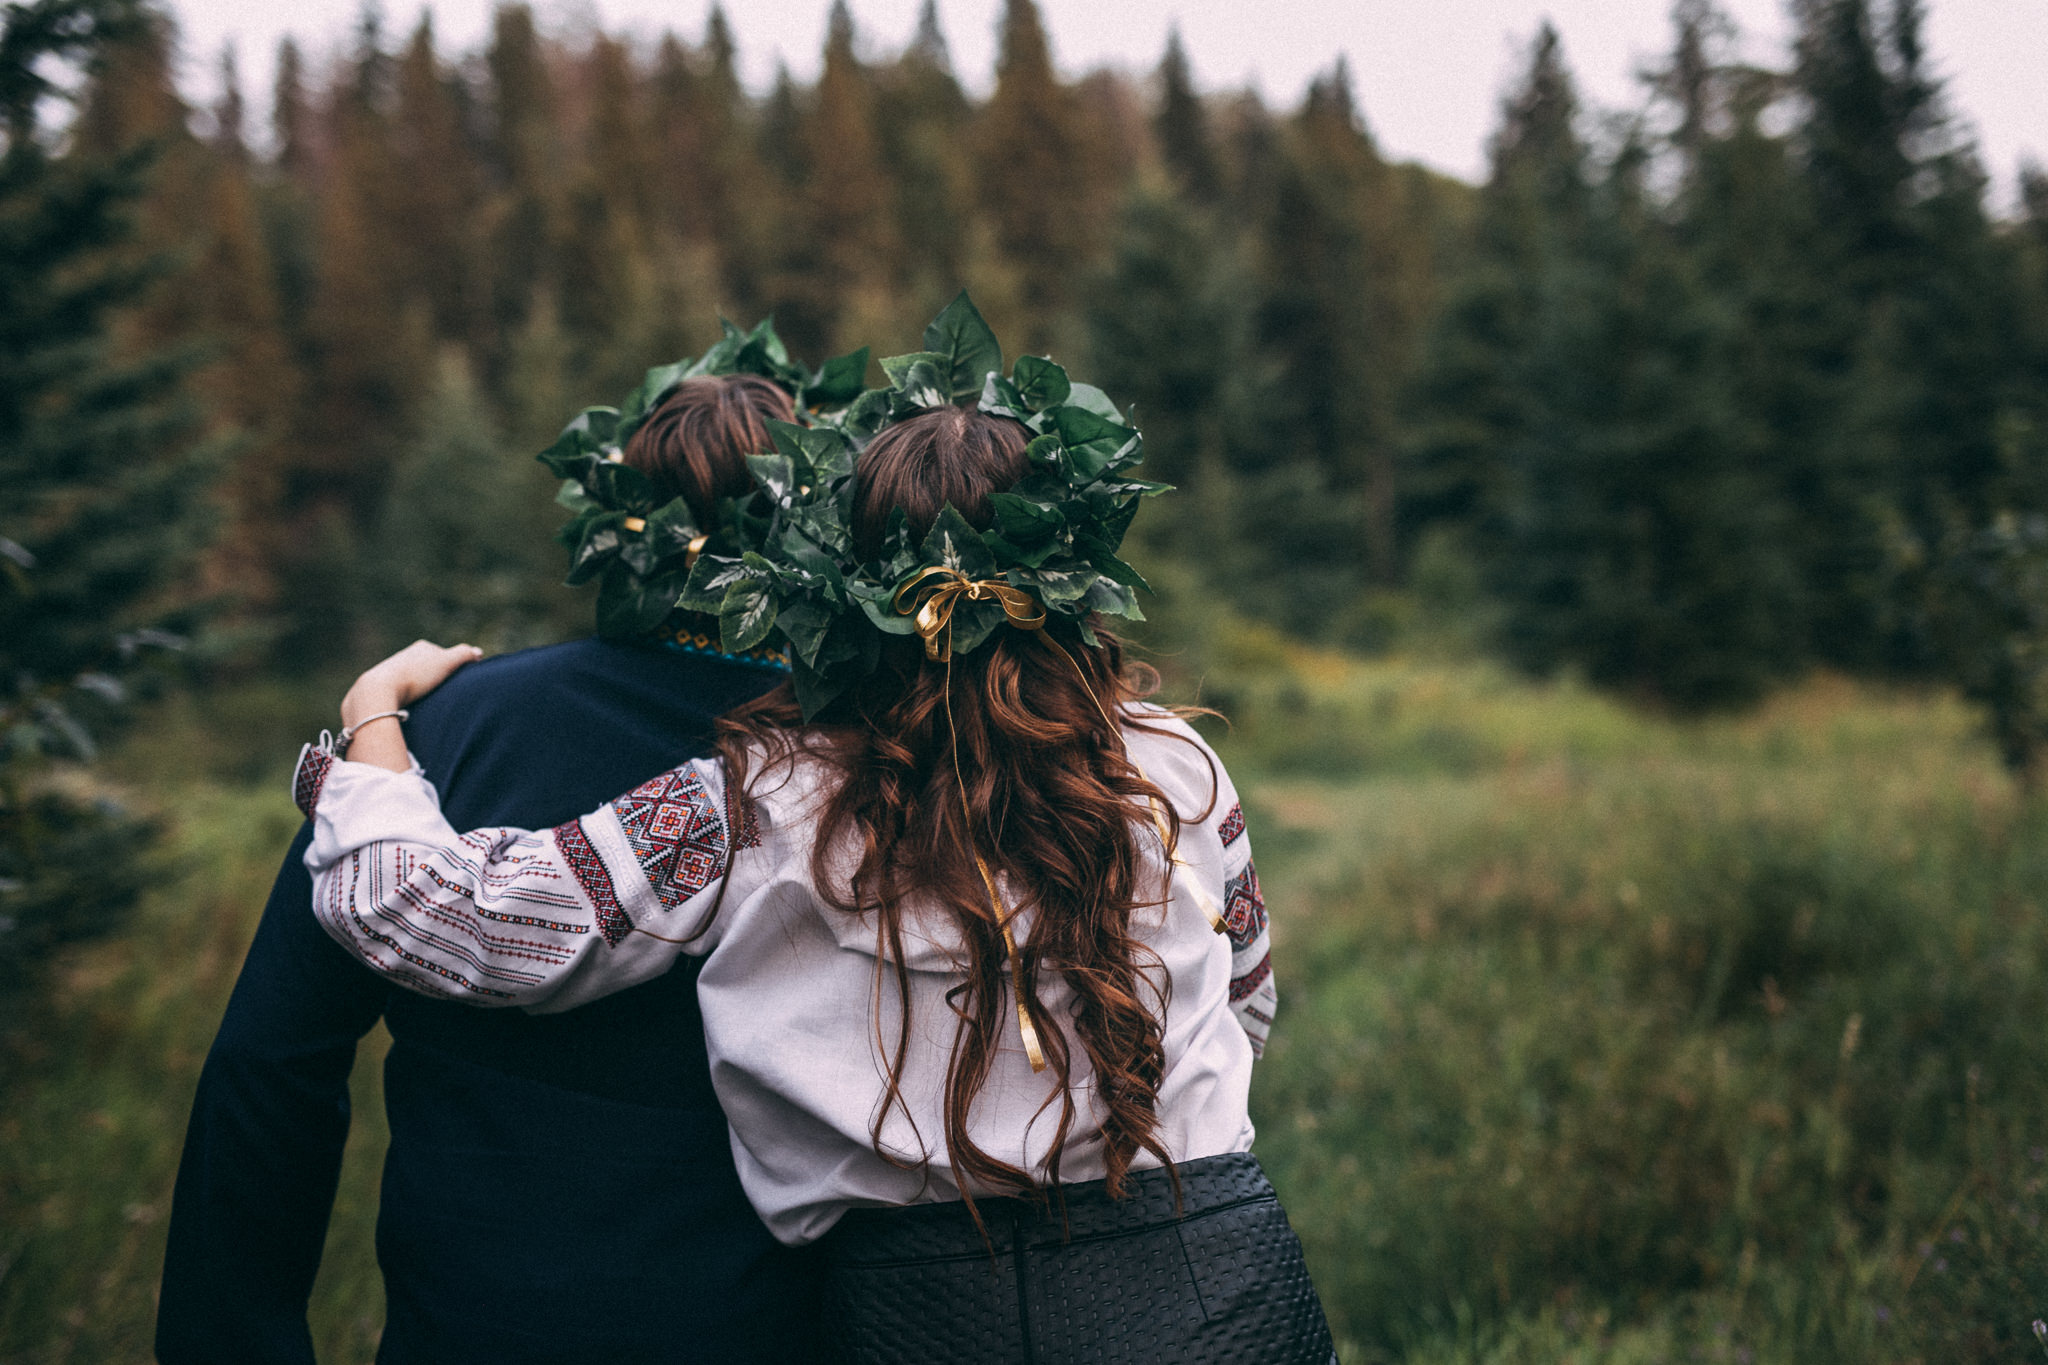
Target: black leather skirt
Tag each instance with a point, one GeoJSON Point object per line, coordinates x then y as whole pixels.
{"type": "Point", "coordinates": [1114, 1282]}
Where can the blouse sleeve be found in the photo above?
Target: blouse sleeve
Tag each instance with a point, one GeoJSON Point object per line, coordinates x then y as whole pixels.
{"type": "Point", "coordinates": [544, 919]}
{"type": "Point", "coordinates": [1214, 862]}
{"type": "Point", "coordinates": [1253, 995]}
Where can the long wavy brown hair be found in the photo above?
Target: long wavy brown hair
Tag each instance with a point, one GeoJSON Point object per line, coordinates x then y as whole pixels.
{"type": "Point", "coordinates": [1020, 728]}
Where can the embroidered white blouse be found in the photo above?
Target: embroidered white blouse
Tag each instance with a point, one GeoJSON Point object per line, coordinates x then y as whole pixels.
{"type": "Point", "coordinates": [800, 1016]}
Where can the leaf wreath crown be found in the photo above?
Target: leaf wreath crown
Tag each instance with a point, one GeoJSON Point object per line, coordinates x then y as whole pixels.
{"type": "Point", "coordinates": [779, 563]}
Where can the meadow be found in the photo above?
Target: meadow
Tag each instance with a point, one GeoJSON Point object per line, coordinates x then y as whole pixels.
{"type": "Point", "coordinates": [1604, 1037]}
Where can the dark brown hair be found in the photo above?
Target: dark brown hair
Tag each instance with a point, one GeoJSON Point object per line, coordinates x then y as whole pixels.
{"type": "Point", "coordinates": [1051, 801]}
{"type": "Point", "coordinates": [696, 443]}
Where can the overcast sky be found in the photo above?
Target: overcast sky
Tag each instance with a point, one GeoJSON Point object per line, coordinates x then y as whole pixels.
{"type": "Point", "coordinates": [1429, 73]}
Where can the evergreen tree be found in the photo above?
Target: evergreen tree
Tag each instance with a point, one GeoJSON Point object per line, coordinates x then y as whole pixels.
{"type": "Point", "coordinates": [285, 208]}
{"type": "Point", "coordinates": [1910, 335]}
{"type": "Point", "coordinates": [842, 261]}
{"type": "Point", "coordinates": [464, 550]}
{"type": "Point", "coordinates": [1034, 174]}
{"type": "Point", "coordinates": [1173, 326]}
{"type": "Point", "coordinates": [1472, 401]}
{"type": "Point", "coordinates": [230, 112]}
{"type": "Point", "coordinates": [608, 228]}
{"type": "Point", "coordinates": [1648, 546]}
{"type": "Point", "coordinates": [252, 385]}
{"type": "Point", "coordinates": [748, 205]}
{"type": "Point", "coordinates": [1182, 127]}
{"type": "Point", "coordinates": [683, 182]}
{"type": "Point", "coordinates": [922, 121]}
{"type": "Point", "coordinates": [437, 195]}
{"type": "Point", "coordinates": [1343, 308]}
{"type": "Point", "coordinates": [291, 117]}
{"type": "Point", "coordinates": [1592, 397]}
{"type": "Point", "coordinates": [527, 157]}
{"type": "Point", "coordinates": [105, 476]}
{"type": "Point", "coordinates": [1171, 331]}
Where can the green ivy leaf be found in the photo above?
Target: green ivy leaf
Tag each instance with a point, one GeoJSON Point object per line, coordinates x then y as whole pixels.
{"type": "Point", "coordinates": [839, 380]}
{"type": "Point", "coordinates": [974, 622]}
{"type": "Point", "coordinates": [746, 616]}
{"type": "Point", "coordinates": [814, 691]}
{"type": "Point", "coordinates": [1092, 441]}
{"type": "Point", "coordinates": [775, 473]}
{"type": "Point", "coordinates": [1056, 587]}
{"type": "Point", "coordinates": [671, 527]}
{"type": "Point", "coordinates": [710, 579]}
{"type": "Point", "coordinates": [629, 606]}
{"type": "Point", "coordinates": [1025, 556]}
{"type": "Point", "coordinates": [1040, 383]}
{"type": "Point", "coordinates": [1049, 456]}
{"type": "Point", "coordinates": [969, 350]}
{"type": "Point", "coordinates": [885, 617]}
{"type": "Point", "coordinates": [765, 337]}
{"type": "Point", "coordinates": [804, 625]}
{"type": "Point", "coordinates": [899, 367]}
{"type": "Point", "coordinates": [719, 359]}
{"type": "Point", "coordinates": [588, 433]}
{"type": "Point", "coordinates": [999, 398]}
{"type": "Point", "coordinates": [1111, 598]}
{"type": "Point", "coordinates": [658, 383]}
{"type": "Point", "coordinates": [619, 486]}
{"type": "Point", "coordinates": [866, 416]}
{"type": "Point", "coordinates": [819, 454]}
{"type": "Point", "coordinates": [1024, 520]}
{"type": "Point", "coordinates": [572, 496]}
{"type": "Point", "coordinates": [1091, 399]}
{"type": "Point", "coordinates": [595, 547]}
{"type": "Point", "coordinates": [955, 544]}
{"type": "Point", "coordinates": [1103, 557]}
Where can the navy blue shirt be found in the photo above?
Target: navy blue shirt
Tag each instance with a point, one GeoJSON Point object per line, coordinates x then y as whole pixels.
{"type": "Point", "coordinates": [559, 1188]}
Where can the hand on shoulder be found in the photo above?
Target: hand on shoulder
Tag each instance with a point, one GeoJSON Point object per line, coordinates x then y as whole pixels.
{"type": "Point", "coordinates": [386, 689]}
{"type": "Point", "coordinates": [404, 678]}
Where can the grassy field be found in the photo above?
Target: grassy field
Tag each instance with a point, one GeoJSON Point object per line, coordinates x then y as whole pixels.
{"type": "Point", "coordinates": [1604, 1038]}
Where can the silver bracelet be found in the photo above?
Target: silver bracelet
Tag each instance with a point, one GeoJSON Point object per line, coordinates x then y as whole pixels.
{"type": "Point", "coordinates": [348, 732]}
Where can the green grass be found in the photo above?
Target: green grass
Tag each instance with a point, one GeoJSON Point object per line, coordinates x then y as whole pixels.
{"type": "Point", "coordinates": [97, 1086]}
{"type": "Point", "coordinates": [1608, 1039]}
{"type": "Point", "coordinates": [1604, 1039]}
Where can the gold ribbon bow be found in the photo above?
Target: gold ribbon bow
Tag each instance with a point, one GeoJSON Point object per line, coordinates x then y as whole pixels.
{"type": "Point", "coordinates": [932, 594]}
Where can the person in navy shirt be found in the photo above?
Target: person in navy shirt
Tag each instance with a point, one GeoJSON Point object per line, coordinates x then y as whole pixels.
{"type": "Point", "coordinates": [559, 1188]}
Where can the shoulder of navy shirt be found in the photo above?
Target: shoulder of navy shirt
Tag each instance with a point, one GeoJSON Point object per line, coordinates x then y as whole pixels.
{"type": "Point", "coordinates": [558, 1188]}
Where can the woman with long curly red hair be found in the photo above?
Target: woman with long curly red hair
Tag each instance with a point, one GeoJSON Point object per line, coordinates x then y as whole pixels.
{"type": "Point", "coordinates": [986, 965]}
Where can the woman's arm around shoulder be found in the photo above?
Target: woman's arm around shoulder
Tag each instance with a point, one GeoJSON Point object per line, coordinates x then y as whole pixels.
{"type": "Point", "coordinates": [546, 919]}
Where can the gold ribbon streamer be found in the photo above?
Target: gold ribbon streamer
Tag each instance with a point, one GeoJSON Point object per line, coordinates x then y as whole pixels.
{"type": "Point", "coordinates": [932, 594]}
{"type": "Point", "coordinates": [1025, 1028]}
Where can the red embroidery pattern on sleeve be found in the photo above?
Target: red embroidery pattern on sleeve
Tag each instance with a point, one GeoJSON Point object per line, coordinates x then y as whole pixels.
{"type": "Point", "coordinates": [612, 920]}
{"type": "Point", "coordinates": [310, 778]}
{"type": "Point", "coordinates": [1244, 986]}
{"type": "Point", "coordinates": [1244, 907]}
{"type": "Point", "coordinates": [677, 832]}
{"type": "Point", "coordinates": [1232, 828]}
